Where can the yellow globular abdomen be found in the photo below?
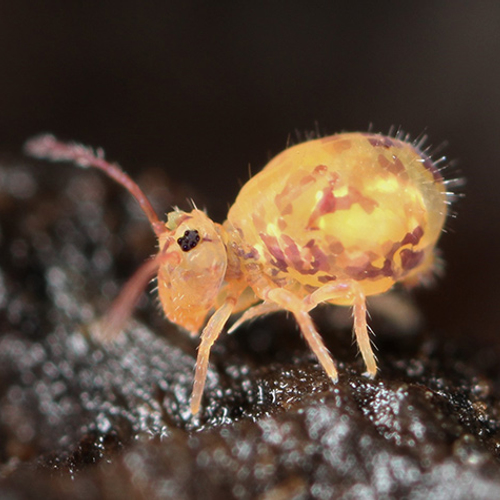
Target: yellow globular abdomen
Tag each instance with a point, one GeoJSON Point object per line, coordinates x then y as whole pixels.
{"type": "Point", "coordinates": [355, 206]}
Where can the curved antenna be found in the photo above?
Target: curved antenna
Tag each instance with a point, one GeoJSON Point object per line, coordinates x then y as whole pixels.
{"type": "Point", "coordinates": [47, 147]}
{"type": "Point", "coordinates": [115, 319]}
{"type": "Point", "coordinates": [122, 307]}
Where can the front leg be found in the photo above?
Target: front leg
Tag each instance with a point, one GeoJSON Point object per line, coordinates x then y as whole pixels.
{"type": "Point", "coordinates": [209, 335]}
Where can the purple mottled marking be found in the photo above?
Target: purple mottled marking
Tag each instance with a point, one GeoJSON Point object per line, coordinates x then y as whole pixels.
{"type": "Point", "coordinates": [251, 266]}
{"type": "Point", "coordinates": [307, 179]}
{"type": "Point", "coordinates": [369, 271]}
{"type": "Point", "coordinates": [381, 141]}
{"type": "Point", "coordinates": [292, 252]}
{"type": "Point", "coordinates": [252, 254]}
{"type": "Point", "coordinates": [320, 169]}
{"type": "Point", "coordinates": [378, 140]}
{"type": "Point", "coordinates": [336, 248]}
{"type": "Point", "coordinates": [330, 203]}
{"type": "Point", "coordinates": [274, 249]}
{"type": "Point", "coordinates": [326, 205]}
{"type": "Point", "coordinates": [366, 203]}
{"type": "Point", "coordinates": [411, 259]}
{"type": "Point", "coordinates": [258, 221]}
{"type": "Point", "coordinates": [395, 167]}
{"type": "Point", "coordinates": [414, 237]}
{"type": "Point", "coordinates": [296, 260]}
{"type": "Point", "coordinates": [337, 143]}
{"type": "Point", "coordinates": [295, 185]}
{"type": "Point", "coordinates": [326, 279]}
{"type": "Point", "coordinates": [320, 261]}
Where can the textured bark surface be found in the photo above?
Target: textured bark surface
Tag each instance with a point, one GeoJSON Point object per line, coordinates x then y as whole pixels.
{"type": "Point", "coordinates": [82, 420]}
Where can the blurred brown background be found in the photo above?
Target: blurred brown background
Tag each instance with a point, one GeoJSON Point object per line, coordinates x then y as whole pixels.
{"type": "Point", "coordinates": [205, 90]}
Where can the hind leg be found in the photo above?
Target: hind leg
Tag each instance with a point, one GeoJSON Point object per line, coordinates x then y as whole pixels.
{"type": "Point", "coordinates": [348, 289]}
{"type": "Point", "coordinates": [331, 292]}
{"type": "Point", "coordinates": [361, 330]}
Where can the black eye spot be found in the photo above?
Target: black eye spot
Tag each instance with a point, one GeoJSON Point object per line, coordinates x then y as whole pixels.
{"type": "Point", "coordinates": [189, 240]}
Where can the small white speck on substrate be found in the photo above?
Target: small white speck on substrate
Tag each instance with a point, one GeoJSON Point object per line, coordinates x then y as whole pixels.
{"type": "Point", "coordinates": [77, 344]}
{"type": "Point", "coordinates": [103, 423]}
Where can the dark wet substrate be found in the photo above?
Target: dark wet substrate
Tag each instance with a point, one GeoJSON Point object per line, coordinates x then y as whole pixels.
{"type": "Point", "coordinates": [81, 420]}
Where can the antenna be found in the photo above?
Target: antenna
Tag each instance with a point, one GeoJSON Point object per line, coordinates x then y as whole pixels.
{"type": "Point", "coordinates": [47, 147]}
